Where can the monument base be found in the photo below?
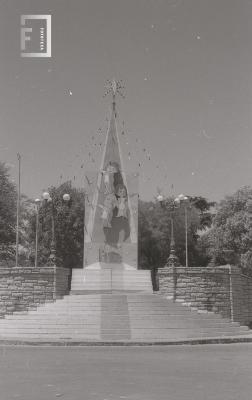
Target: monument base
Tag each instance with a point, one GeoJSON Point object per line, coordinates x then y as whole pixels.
{"type": "Point", "coordinates": [95, 254]}
{"type": "Point", "coordinates": [108, 278]}
{"type": "Point", "coordinates": [112, 266]}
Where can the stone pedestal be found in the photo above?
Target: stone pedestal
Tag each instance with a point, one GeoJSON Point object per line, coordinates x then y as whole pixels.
{"type": "Point", "coordinates": [108, 278]}
{"type": "Point", "coordinates": [167, 277]}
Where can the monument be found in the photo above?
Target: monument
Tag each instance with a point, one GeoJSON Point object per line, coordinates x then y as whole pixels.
{"type": "Point", "coordinates": [111, 220]}
{"type": "Point", "coordinates": [111, 207]}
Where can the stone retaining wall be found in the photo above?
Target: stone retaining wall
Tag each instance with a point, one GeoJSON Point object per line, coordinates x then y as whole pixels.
{"type": "Point", "coordinates": [24, 288]}
{"type": "Point", "coordinates": [242, 298]}
{"type": "Point", "coordinates": [222, 289]}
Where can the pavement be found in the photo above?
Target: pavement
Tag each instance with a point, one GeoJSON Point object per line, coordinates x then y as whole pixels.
{"type": "Point", "coordinates": [216, 372]}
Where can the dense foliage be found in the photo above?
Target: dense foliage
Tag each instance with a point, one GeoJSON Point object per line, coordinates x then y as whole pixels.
{"type": "Point", "coordinates": [8, 197]}
{"type": "Point", "coordinates": [69, 226]}
{"type": "Point", "coordinates": [217, 234]}
{"type": "Point", "coordinates": [155, 231]}
{"type": "Point", "coordinates": [153, 236]}
{"type": "Point", "coordinates": [230, 238]}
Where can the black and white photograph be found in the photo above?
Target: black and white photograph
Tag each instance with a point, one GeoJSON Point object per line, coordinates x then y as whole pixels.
{"type": "Point", "coordinates": [125, 199]}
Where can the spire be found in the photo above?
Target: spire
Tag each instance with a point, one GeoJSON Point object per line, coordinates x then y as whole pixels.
{"type": "Point", "coordinates": [112, 151]}
{"type": "Point", "coordinates": [111, 159]}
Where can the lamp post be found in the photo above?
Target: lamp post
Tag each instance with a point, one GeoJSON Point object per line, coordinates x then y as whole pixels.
{"type": "Point", "coordinates": [172, 260]}
{"type": "Point", "coordinates": [170, 205]}
{"type": "Point", "coordinates": [181, 199]}
{"type": "Point", "coordinates": [49, 199]}
{"type": "Point", "coordinates": [18, 207]}
{"type": "Point", "coordinates": [37, 203]}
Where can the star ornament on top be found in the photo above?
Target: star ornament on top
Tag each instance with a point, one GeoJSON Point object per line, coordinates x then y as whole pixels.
{"type": "Point", "coordinates": [114, 87]}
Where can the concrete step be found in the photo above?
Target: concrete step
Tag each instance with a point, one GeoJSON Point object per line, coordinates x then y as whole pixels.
{"type": "Point", "coordinates": [109, 271]}
{"type": "Point", "coordinates": [89, 319]}
{"type": "Point", "coordinates": [114, 280]}
{"type": "Point", "coordinates": [111, 323]}
{"type": "Point", "coordinates": [111, 277]}
{"type": "Point", "coordinates": [95, 335]}
{"type": "Point", "coordinates": [117, 314]}
{"type": "Point", "coordinates": [114, 326]}
{"type": "Point", "coordinates": [112, 338]}
{"type": "Point", "coordinates": [52, 336]}
{"type": "Point", "coordinates": [105, 291]}
{"type": "Point", "coordinates": [116, 317]}
{"type": "Point", "coordinates": [120, 288]}
{"type": "Point", "coordinates": [152, 337]}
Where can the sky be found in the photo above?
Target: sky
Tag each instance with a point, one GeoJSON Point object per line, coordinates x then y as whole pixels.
{"type": "Point", "coordinates": [185, 121]}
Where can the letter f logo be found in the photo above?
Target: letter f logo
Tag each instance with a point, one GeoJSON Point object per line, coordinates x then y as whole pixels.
{"type": "Point", "coordinates": [25, 38]}
{"type": "Point", "coordinates": [41, 30]}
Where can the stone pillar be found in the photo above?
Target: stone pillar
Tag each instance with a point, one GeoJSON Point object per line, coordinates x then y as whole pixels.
{"type": "Point", "coordinates": [167, 277]}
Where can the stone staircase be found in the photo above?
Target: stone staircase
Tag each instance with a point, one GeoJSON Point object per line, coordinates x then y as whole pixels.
{"type": "Point", "coordinates": [117, 317]}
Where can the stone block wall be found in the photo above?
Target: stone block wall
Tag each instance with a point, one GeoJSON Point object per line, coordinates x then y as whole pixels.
{"type": "Point", "coordinates": [25, 287]}
{"type": "Point", "coordinates": [221, 289]}
{"type": "Point", "coordinates": [242, 298]}
{"type": "Point", "coordinates": [63, 282]}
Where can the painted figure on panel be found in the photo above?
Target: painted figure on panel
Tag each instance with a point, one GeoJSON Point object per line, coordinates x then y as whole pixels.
{"type": "Point", "coordinates": [115, 213]}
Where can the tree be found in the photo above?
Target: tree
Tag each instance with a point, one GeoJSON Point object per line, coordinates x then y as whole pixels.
{"type": "Point", "coordinates": [148, 247]}
{"type": "Point", "coordinates": [205, 209]}
{"type": "Point", "coordinates": [232, 231]}
{"type": "Point", "coordinates": [203, 245]}
{"type": "Point", "coordinates": [69, 226]}
{"type": "Point", "coordinates": [8, 215]}
{"type": "Point", "coordinates": [157, 230]}
{"type": "Point", "coordinates": [8, 197]}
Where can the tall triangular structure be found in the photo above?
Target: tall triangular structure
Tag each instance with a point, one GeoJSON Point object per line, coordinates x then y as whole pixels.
{"type": "Point", "coordinates": [111, 206]}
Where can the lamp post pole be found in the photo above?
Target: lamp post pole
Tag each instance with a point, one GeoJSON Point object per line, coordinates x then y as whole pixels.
{"type": "Point", "coordinates": [181, 199]}
{"type": "Point", "coordinates": [49, 199]}
{"type": "Point", "coordinates": [172, 259]}
{"type": "Point", "coordinates": [186, 235]}
{"type": "Point", "coordinates": [37, 202]}
{"type": "Point", "coordinates": [18, 207]}
{"type": "Point", "coordinates": [52, 256]}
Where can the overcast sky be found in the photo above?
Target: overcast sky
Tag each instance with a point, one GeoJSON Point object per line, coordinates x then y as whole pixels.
{"type": "Point", "coordinates": [186, 116]}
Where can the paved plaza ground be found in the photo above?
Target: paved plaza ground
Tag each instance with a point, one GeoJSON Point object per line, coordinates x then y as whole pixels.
{"type": "Point", "coordinates": [209, 372]}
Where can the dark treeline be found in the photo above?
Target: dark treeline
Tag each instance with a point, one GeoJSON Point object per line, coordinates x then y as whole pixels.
{"type": "Point", "coordinates": [217, 233]}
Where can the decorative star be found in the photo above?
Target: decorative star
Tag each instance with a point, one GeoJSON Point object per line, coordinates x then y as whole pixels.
{"type": "Point", "coordinates": [114, 87]}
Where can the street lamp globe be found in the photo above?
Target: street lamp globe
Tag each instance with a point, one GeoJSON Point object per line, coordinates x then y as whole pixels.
{"type": "Point", "coordinates": [160, 198]}
{"type": "Point", "coordinates": [66, 197]}
{"type": "Point", "coordinates": [182, 197]}
{"type": "Point", "coordinates": [46, 196]}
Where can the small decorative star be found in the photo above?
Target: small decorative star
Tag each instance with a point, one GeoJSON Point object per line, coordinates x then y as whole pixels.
{"type": "Point", "coordinates": [114, 87]}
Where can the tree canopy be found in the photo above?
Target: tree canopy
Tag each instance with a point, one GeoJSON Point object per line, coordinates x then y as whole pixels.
{"type": "Point", "coordinates": [231, 231]}
{"type": "Point", "coordinates": [8, 197]}
{"type": "Point", "coordinates": [215, 231]}
{"type": "Point", "coordinates": [69, 226]}
{"type": "Point", "coordinates": [155, 230]}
